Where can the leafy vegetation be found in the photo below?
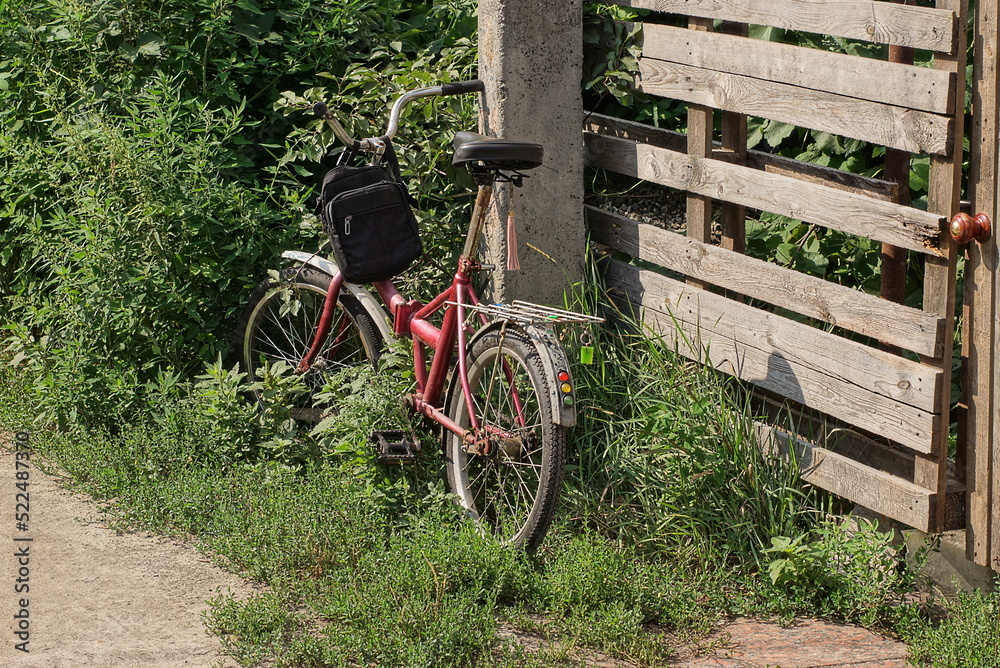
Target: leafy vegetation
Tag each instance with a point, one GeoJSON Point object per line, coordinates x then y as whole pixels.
{"type": "Point", "coordinates": [154, 167]}
{"type": "Point", "coordinates": [372, 565]}
{"type": "Point", "coordinates": [157, 156]}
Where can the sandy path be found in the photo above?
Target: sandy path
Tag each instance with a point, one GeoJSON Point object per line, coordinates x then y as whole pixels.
{"type": "Point", "coordinates": [98, 597]}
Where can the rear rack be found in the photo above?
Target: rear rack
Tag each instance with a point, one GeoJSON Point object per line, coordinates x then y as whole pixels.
{"type": "Point", "coordinates": [528, 313]}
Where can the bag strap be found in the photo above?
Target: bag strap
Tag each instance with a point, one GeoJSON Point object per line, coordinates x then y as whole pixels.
{"type": "Point", "coordinates": [389, 158]}
{"type": "Point", "coordinates": [347, 156]}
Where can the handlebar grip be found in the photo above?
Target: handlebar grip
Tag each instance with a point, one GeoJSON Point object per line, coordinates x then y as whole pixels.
{"type": "Point", "coordinates": [320, 109]}
{"type": "Point", "coordinates": [461, 87]}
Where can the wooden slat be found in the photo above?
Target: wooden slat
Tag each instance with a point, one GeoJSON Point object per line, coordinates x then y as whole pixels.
{"type": "Point", "coordinates": [854, 446]}
{"type": "Point", "coordinates": [879, 22]}
{"type": "Point", "coordinates": [769, 162]}
{"type": "Point", "coordinates": [817, 298]}
{"type": "Point", "coordinates": [862, 386]}
{"type": "Point", "coordinates": [943, 195]}
{"type": "Point", "coordinates": [869, 79]}
{"type": "Point", "coordinates": [883, 221]}
{"type": "Point", "coordinates": [980, 289]}
{"type": "Point", "coordinates": [886, 494]}
{"type": "Point", "coordinates": [734, 142]}
{"type": "Point", "coordinates": [700, 125]}
{"type": "Point", "coordinates": [896, 127]}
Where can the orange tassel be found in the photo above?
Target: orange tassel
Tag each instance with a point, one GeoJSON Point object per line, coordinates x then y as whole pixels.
{"type": "Point", "coordinates": [513, 263]}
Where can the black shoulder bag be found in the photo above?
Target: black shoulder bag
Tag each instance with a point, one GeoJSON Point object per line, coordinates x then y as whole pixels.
{"type": "Point", "coordinates": [366, 213]}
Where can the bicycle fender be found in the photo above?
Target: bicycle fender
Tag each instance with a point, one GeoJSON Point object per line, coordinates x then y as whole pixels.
{"type": "Point", "coordinates": [554, 361]}
{"type": "Point", "coordinates": [365, 298]}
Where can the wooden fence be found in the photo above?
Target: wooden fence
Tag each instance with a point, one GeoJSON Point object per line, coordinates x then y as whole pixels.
{"type": "Point", "coordinates": [870, 379]}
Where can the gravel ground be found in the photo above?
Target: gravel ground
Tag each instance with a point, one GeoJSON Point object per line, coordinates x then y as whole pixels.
{"type": "Point", "coordinates": [646, 203]}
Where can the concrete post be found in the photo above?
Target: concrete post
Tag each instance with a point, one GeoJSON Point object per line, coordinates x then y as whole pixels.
{"type": "Point", "coordinates": [531, 60]}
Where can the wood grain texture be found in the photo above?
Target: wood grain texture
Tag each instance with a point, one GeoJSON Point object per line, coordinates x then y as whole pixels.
{"type": "Point", "coordinates": [768, 162]}
{"type": "Point", "coordinates": [889, 495]}
{"type": "Point", "coordinates": [700, 125]}
{"type": "Point", "coordinates": [896, 84]}
{"type": "Point", "coordinates": [862, 386]}
{"type": "Point", "coordinates": [943, 195]}
{"type": "Point", "coordinates": [883, 221]}
{"type": "Point", "coordinates": [888, 125]}
{"type": "Point", "coordinates": [734, 143]}
{"type": "Point", "coordinates": [981, 347]}
{"type": "Point", "coordinates": [879, 22]}
{"type": "Point", "coordinates": [833, 304]}
{"type": "Point", "coordinates": [982, 289]}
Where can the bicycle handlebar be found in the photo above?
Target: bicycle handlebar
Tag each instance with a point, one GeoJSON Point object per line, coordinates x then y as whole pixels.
{"type": "Point", "coordinates": [457, 88]}
{"type": "Point", "coordinates": [461, 87]}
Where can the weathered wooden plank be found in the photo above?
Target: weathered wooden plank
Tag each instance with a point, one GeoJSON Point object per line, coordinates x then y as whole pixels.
{"type": "Point", "coordinates": [700, 125]}
{"type": "Point", "coordinates": [883, 221]}
{"type": "Point", "coordinates": [886, 494]}
{"type": "Point", "coordinates": [980, 292]}
{"type": "Point", "coordinates": [869, 79]}
{"type": "Point", "coordinates": [817, 428]}
{"type": "Point", "coordinates": [943, 195]}
{"type": "Point", "coordinates": [888, 125]}
{"type": "Point", "coordinates": [769, 162]}
{"type": "Point", "coordinates": [894, 260]}
{"type": "Point", "coordinates": [734, 142]}
{"type": "Point", "coordinates": [834, 304]}
{"type": "Point", "coordinates": [879, 22]}
{"type": "Point", "coordinates": [862, 386]}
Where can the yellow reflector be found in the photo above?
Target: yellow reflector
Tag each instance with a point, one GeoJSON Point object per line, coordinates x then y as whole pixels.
{"type": "Point", "coordinates": [567, 388]}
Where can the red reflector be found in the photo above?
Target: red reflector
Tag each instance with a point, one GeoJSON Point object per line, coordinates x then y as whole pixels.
{"type": "Point", "coordinates": [563, 376]}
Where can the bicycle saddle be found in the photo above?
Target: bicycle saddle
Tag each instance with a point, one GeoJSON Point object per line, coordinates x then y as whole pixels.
{"type": "Point", "coordinates": [497, 153]}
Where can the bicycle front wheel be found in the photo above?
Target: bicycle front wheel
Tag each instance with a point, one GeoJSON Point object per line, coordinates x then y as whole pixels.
{"type": "Point", "coordinates": [280, 321]}
{"type": "Point", "coordinates": [509, 479]}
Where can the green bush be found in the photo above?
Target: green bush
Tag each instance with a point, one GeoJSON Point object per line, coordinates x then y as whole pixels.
{"type": "Point", "coordinates": [149, 180]}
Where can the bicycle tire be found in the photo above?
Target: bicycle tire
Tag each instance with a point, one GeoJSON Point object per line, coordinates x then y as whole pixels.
{"type": "Point", "coordinates": [267, 333]}
{"type": "Point", "coordinates": [512, 490]}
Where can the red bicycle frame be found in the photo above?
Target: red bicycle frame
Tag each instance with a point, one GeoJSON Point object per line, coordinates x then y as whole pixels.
{"type": "Point", "coordinates": [411, 319]}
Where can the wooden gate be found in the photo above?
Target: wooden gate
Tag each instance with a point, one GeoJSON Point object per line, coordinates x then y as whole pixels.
{"type": "Point", "coordinates": [872, 378]}
{"type": "Point", "coordinates": [981, 455]}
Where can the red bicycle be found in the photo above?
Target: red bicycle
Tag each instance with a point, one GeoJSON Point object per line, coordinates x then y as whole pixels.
{"type": "Point", "coordinates": [505, 400]}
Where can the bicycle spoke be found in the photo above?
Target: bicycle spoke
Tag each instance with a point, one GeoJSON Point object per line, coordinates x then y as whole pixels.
{"type": "Point", "coordinates": [276, 335]}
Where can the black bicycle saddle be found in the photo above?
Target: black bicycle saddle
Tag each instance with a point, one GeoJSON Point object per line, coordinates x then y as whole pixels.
{"type": "Point", "coordinates": [497, 153]}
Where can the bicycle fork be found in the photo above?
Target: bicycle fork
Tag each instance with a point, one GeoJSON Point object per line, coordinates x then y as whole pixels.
{"type": "Point", "coordinates": [325, 319]}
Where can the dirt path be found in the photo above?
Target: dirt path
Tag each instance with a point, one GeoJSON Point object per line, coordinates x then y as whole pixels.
{"type": "Point", "coordinates": [97, 597]}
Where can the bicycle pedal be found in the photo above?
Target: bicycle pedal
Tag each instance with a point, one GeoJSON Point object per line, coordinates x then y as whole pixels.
{"type": "Point", "coordinates": [394, 447]}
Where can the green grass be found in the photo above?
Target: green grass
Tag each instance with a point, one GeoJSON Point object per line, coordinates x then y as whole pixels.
{"type": "Point", "coordinates": [672, 519]}
{"type": "Point", "coordinates": [967, 636]}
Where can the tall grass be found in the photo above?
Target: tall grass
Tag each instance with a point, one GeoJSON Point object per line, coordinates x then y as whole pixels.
{"type": "Point", "coordinates": [667, 458]}
{"type": "Point", "coordinates": [669, 514]}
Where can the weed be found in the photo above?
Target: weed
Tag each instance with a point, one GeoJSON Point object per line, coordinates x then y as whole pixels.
{"type": "Point", "coordinates": [967, 637]}
{"type": "Point", "coordinates": [670, 451]}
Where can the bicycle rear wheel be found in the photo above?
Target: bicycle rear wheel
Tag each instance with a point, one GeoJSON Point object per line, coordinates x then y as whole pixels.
{"type": "Point", "coordinates": [510, 480]}
{"type": "Point", "coordinates": [280, 321]}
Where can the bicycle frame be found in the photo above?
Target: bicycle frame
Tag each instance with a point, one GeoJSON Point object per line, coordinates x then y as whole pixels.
{"type": "Point", "coordinates": [411, 319]}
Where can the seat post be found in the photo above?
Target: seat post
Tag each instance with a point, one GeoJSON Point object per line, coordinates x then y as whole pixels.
{"type": "Point", "coordinates": [483, 199]}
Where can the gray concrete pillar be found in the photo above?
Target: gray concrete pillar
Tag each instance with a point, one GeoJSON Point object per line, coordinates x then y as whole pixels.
{"type": "Point", "coordinates": [531, 60]}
